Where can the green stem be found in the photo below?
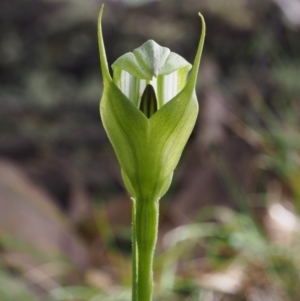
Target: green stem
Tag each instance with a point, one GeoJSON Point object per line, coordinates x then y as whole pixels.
{"type": "Point", "coordinates": [146, 236]}
{"type": "Point", "coordinates": [134, 252]}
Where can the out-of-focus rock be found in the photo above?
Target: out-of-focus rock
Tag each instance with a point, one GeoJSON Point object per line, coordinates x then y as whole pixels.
{"type": "Point", "coordinates": [29, 220]}
{"type": "Point", "coordinates": [281, 224]}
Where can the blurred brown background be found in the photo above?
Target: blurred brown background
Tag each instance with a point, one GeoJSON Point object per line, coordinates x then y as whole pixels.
{"type": "Point", "coordinates": [229, 224]}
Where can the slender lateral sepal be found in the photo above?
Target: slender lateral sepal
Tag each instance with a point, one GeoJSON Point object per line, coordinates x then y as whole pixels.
{"type": "Point", "coordinates": [103, 60]}
{"type": "Point", "coordinates": [196, 65]}
{"type": "Point", "coordinates": [148, 110]}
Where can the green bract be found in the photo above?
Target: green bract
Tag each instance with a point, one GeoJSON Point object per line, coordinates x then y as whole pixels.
{"type": "Point", "coordinates": [149, 145]}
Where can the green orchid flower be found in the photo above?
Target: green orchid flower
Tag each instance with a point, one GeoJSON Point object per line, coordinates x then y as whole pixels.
{"type": "Point", "coordinates": [148, 109]}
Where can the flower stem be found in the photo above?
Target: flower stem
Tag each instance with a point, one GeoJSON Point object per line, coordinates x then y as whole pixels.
{"type": "Point", "coordinates": [146, 225]}
{"type": "Point", "coordinates": [134, 252]}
